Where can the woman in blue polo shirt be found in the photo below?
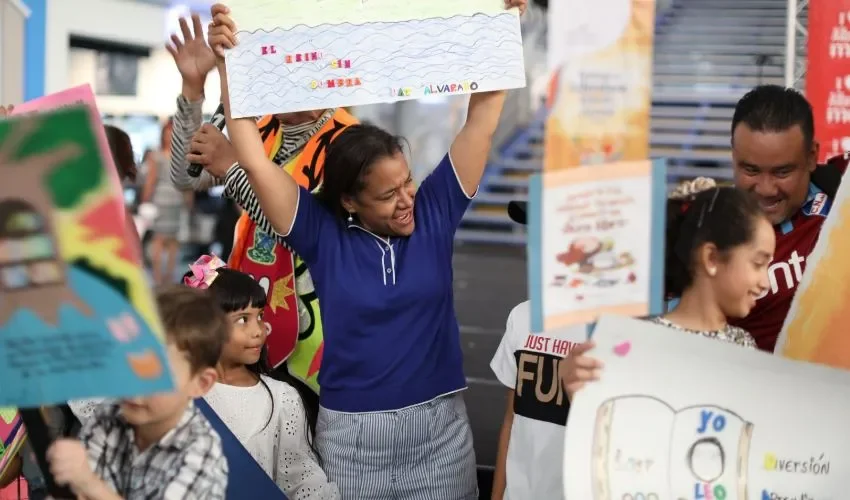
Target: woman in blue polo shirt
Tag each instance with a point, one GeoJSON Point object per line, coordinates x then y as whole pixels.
{"type": "Point", "coordinates": [392, 422]}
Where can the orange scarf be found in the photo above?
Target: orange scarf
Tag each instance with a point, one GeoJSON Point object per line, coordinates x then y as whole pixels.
{"type": "Point", "coordinates": [282, 273]}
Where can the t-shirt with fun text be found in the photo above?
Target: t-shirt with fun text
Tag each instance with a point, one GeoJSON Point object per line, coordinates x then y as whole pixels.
{"type": "Point", "coordinates": [528, 363]}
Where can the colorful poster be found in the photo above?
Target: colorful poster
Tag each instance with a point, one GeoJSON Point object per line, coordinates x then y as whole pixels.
{"type": "Point", "coordinates": [663, 423]}
{"type": "Point", "coordinates": [828, 74]}
{"type": "Point", "coordinates": [74, 97]}
{"type": "Point", "coordinates": [601, 55]}
{"type": "Point", "coordinates": [596, 243]}
{"type": "Point", "coordinates": [816, 325]}
{"type": "Point", "coordinates": [77, 319]}
{"type": "Point", "coordinates": [295, 55]}
{"type": "Point", "coordinates": [12, 436]}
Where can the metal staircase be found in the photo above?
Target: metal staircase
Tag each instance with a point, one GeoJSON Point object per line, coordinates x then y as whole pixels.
{"type": "Point", "coordinates": [708, 53]}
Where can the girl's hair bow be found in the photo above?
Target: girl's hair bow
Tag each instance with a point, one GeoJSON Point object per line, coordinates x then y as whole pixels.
{"type": "Point", "coordinates": [204, 272]}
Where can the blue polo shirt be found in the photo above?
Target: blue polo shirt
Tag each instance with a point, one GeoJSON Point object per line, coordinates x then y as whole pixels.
{"type": "Point", "coordinates": [391, 334]}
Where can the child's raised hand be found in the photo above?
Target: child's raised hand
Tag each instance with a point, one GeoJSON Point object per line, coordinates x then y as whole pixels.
{"type": "Point", "coordinates": [222, 30]}
{"type": "Point", "coordinates": [577, 369]}
{"type": "Point", "coordinates": [69, 464]}
{"type": "Point", "coordinates": [520, 4]}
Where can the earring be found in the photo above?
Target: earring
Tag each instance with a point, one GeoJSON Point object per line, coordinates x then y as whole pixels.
{"type": "Point", "coordinates": [350, 217]}
{"type": "Point", "coordinates": [712, 271]}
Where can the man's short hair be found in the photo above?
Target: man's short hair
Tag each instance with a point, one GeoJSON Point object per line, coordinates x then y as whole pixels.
{"type": "Point", "coordinates": [194, 323]}
{"type": "Point", "coordinates": [773, 108]}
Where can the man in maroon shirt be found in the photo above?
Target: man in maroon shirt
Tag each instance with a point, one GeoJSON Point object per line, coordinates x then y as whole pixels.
{"type": "Point", "coordinates": [774, 156]}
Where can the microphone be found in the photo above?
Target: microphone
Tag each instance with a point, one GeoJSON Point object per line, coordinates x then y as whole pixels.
{"type": "Point", "coordinates": [218, 120]}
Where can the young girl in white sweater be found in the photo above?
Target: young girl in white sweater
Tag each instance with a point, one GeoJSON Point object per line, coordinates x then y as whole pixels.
{"type": "Point", "coordinates": [273, 419]}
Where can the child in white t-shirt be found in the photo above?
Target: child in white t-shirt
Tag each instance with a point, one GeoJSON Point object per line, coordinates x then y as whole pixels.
{"type": "Point", "coordinates": [531, 442]}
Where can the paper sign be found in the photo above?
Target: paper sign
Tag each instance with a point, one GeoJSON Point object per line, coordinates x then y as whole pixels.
{"type": "Point", "coordinates": [596, 243]}
{"type": "Point", "coordinates": [828, 74]}
{"type": "Point", "coordinates": [680, 416]}
{"type": "Point", "coordinates": [296, 55]}
{"type": "Point", "coordinates": [816, 325]}
{"type": "Point", "coordinates": [77, 319]}
{"type": "Point", "coordinates": [74, 97]}
{"type": "Point", "coordinates": [12, 436]}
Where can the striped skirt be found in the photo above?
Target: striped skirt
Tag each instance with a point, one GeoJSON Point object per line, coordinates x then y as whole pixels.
{"type": "Point", "coordinates": [419, 453]}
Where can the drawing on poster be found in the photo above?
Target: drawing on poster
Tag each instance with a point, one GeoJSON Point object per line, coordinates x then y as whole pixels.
{"type": "Point", "coordinates": [594, 261]}
{"type": "Point", "coordinates": [596, 243]}
{"type": "Point", "coordinates": [12, 436]}
{"type": "Point", "coordinates": [695, 452]}
{"type": "Point", "coordinates": [77, 319]}
{"type": "Point", "coordinates": [76, 96]}
{"type": "Point", "coordinates": [304, 55]}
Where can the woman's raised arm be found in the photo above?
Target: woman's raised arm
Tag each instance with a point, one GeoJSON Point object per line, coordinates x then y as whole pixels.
{"type": "Point", "coordinates": [276, 191]}
{"type": "Point", "coordinates": [471, 148]}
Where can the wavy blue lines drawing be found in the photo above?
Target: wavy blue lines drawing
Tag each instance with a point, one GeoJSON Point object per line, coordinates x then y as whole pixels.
{"type": "Point", "coordinates": [317, 54]}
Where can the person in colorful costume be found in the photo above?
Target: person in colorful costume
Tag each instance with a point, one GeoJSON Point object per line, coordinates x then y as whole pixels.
{"type": "Point", "coordinates": [295, 141]}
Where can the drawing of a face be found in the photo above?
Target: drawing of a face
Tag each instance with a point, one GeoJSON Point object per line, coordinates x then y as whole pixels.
{"type": "Point", "coordinates": [706, 460]}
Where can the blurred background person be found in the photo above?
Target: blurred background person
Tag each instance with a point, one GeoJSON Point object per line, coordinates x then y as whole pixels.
{"type": "Point", "coordinates": [172, 210]}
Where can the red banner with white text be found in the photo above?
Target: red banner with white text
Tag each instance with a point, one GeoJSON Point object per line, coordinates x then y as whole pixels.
{"type": "Point", "coordinates": [828, 74]}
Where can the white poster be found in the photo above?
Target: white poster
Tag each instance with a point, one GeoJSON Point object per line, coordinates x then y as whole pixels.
{"type": "Point", "coordinates": [676, 416]}
{"type": "Point", "coordinates": [596, 242]}
{"type": "Point", "coordinates": [296, 55]}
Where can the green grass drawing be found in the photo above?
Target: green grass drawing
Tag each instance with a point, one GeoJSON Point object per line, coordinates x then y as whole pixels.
{"type": "Point", "coordinates": [69, 183]}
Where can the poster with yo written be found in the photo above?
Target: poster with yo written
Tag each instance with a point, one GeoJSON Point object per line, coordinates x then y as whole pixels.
{"type": "Point", "coordinates": [596, 242]}
{"type": "Point", "coordinates": [680, 416]}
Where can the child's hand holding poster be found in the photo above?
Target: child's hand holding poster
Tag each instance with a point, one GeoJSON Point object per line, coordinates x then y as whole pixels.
{"type": "Point", "coordinates": [77, 318]}
{"type": "Point", "coordinates": [679, 416]}
{"type": "Point", "coordinates": [596, 242]}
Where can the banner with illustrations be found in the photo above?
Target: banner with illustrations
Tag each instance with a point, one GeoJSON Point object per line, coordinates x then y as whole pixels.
{"type": "Point", "coordinates": [815, 327]}
{"type": "Point", "coordinates": [296, 55]}
{"type": "Point", "coordinates": [664, 422]}
{"type": "Point", "coordinates": [828, 74]}
{"type": "Point", "coordinates": [596, 242]}
{"type": "Point", "coordinates": [77, 318]}
{"type": "Point", "coordinates": [600, 54]}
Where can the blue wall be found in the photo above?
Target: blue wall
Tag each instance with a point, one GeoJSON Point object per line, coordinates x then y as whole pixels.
{"type": "Point", "coordinates": [35, 49]}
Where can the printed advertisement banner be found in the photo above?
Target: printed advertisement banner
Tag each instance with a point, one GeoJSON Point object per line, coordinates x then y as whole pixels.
{"type": "Point", "coordinates": [680, 416]}
{"type": "Point", "coordinates": [596, 242]}
{"type": "Point", "coordinates": [828, 74]}
{"type": "Point", "coordinates": [600, 53]}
